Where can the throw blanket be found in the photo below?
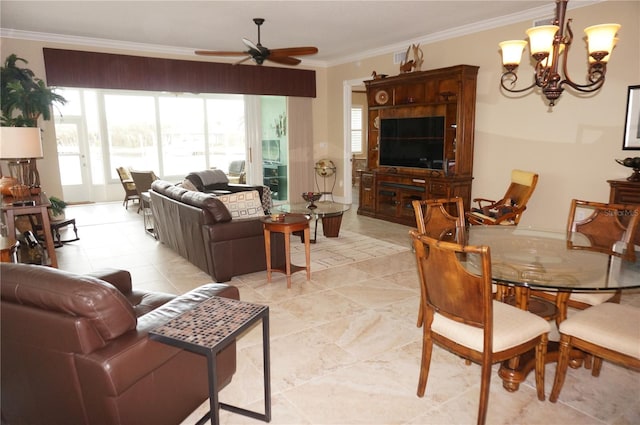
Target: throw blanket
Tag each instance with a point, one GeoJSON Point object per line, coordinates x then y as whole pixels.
{"type": "Point", "coordinates": [212, 177]}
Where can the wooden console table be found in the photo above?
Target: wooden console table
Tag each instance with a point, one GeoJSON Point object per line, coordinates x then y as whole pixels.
{"type": "Point", "coordinates": [40, 208]}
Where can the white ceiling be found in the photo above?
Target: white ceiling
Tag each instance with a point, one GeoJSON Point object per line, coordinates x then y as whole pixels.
{"type": "Point", "coordinates": [342, 30]}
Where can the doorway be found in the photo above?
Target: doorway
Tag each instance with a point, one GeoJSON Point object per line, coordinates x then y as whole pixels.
{"type": "Point", "coordinates": [75, 174]}
{"type": "Point", "coordinates": [347, 91]}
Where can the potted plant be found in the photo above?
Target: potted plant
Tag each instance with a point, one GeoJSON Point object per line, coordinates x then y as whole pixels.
{"type": "Point", "coordinates": [56, 213]}
{"type": "Point", "coordinates": [24, 98]}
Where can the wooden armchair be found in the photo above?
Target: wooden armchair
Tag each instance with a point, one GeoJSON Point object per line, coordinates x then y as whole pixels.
{"type": "Point", "coordinates": [507, 210]}
{"type": "Point", "coordinates": [130, 192]}
{"type": "Point", "coordinates": [462, 316]}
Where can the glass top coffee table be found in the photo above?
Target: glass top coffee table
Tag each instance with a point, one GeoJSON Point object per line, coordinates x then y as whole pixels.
{"type": "Point", "coordinates": [329, 212]}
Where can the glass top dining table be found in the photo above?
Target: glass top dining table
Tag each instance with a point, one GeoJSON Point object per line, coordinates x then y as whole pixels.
{"type": "Point", "coordinates": [530, 259]}
{"type": "Point", "coordinates": [542, 259]}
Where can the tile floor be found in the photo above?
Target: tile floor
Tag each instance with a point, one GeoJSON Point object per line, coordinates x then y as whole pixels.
{"type": "Point", "coordinates": [344, 347]}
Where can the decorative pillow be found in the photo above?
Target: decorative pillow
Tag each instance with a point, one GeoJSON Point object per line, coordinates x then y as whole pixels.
{"type": "Point", "coordinates": [186, 183]}
{"type": "Point", "coordinates": [243, 204]}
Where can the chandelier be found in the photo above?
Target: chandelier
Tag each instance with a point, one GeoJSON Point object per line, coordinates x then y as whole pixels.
{"type": "Point", "coordinates": [549, 45]}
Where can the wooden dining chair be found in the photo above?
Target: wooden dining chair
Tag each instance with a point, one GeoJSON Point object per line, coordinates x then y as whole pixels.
{"type": "Point", "coordinates": [441, 219]}
{"type": "Point", "coordinates": [607, 228]}
{"type": "Point", "coordinates": [608, 331]}
{"type": "Point", "coordinates": [599, 227]}
{"type": "Point", "coordinates": [462, 316]}
{"type": "Point", "coordinates": [507, 210]}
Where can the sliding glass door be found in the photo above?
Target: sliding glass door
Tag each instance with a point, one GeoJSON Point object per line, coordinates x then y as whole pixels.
{"type": "Point", "coordinates": [170, 134]}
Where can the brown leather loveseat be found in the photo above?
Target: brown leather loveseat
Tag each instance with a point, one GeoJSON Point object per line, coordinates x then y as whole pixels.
{"type": "Point", "coordinates": [199, 227]}
{"type": "Point", "coordinates": [76, 350]}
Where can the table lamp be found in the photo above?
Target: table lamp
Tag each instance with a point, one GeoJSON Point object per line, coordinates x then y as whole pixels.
{"type": "Point", "coordinates": [20, 146]}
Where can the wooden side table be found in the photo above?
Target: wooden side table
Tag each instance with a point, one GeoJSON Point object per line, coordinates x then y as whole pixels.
{"type": "Point", "coordinates": [292, 223]}
{"type": "Point", "coordinates": [40, 208]}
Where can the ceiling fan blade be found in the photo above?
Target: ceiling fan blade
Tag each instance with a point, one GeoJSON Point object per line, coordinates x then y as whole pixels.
{"type": "Point", "coordinates": [250, 44]}
{"type": "Point", "coordinates": [294, 51]}
{"type": "Point", "coordinates": [242, 60]}
{"type": "Point", "coordinates": [214, 53]}
{"type": "Point", "coordinates": [284, 60]}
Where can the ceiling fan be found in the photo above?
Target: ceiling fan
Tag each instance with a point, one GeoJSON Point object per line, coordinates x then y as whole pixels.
{"type": "Point", "coordinates": [259, 53]}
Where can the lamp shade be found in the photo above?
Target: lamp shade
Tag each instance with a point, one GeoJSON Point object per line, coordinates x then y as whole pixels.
{"type": "Point", "coordinates": [600, 38]}
{"type": "Point", "coordinates": [512, 51]}
{"type": "Point", "coordinates": [541, 38]}
{"type": "Point", "coordinates": [20, 142]}
{"type": "Point", "coordinates": [606, 58]}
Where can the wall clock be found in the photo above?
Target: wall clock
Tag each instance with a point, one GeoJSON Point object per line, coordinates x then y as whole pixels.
{"type": "Point", "coordinates": [382, 97]}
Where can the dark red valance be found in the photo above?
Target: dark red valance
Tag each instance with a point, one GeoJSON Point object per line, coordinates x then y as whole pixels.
{"type": "Point", "coordinates": [72, 68]}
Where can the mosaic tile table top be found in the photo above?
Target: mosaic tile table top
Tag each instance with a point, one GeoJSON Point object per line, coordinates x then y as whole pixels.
{"type": "Point", "coordinates": [210, 323]}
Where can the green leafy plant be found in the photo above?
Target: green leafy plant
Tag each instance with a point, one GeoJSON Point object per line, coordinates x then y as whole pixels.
{"type": "Point", "coordinates": [23, 97]}
{"type": "Point", "coordinates": [57, 205]}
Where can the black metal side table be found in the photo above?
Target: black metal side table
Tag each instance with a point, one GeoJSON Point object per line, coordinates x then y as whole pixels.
{"type": "Point", "coordinates": [147, 214]}
{"type": "Point", "coordinates": [207, 329]}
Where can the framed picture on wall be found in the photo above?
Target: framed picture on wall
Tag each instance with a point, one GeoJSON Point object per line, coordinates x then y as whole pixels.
{"type": "Point", "coordinates": [632, 122]}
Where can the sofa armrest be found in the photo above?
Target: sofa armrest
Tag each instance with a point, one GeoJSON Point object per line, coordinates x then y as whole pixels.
{"type": "Point", "coordinates": [121, 364]}
{"type": "Point", "coordinates": [142, 301]}
{"type": "Point", "coordinates": [121, 279]}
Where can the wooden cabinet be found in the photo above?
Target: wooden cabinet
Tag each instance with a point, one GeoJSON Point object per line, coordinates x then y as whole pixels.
{"type": "Point", "coordinates": [386, 191]}
{"type": "Point", "coordinates": [625, 192]}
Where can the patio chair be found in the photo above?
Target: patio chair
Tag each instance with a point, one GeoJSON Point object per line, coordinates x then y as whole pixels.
{"type": "Point", "coordinates": [236, 172]}
{"type": "Point", "coordinates": [130, 192]}
{"type": "Point", "coordinates": [143, 180]}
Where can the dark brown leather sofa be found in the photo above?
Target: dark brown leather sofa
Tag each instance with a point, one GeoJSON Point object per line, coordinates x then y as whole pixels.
{"type": "Point", "coordinates": [199, 227]}
{"type": "Point", "coordinates": [76, 350]}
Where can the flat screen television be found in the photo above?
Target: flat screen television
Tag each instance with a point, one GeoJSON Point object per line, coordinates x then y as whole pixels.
{"type": "Point", "coordinates": [412, 142]}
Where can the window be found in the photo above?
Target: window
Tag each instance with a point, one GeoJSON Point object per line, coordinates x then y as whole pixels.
{"type": "Point", "coordinates": [356, 129]}
{"type": "Point", "coordinates": [170, 134]}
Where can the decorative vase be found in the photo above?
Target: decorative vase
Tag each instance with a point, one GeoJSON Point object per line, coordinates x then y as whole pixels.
{"type": "Point", "coordinates": [633, 163]}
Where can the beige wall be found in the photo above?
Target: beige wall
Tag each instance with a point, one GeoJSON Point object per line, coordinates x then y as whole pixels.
{"type": "Point", "coordinates": [572, 148]}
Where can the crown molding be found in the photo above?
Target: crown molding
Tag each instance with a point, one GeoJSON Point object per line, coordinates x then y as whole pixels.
{"type": "Point", "coordinates": [541, 12]}
{"type": "Point", "coordinates": [529, 14]}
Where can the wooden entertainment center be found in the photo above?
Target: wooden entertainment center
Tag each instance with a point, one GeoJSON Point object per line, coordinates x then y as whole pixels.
{"type": "Point", "coordinates": [387, 191]}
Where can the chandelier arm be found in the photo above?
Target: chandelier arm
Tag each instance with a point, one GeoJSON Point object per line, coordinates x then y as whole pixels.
{"type": "Point", "coordinates": [512, 77]}
{"type": "Point", "coordinates": [596, 75]}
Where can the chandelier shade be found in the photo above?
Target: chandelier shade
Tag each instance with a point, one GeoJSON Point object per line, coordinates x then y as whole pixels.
{"type": "Point", "coordinates": [600, 38]}
{"type": "Point", "coordinates": [541, 39]}
{"type": "Point", "coordinates": [549, 47]}
{"type": "Point", "coordinates": [512, 52]}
